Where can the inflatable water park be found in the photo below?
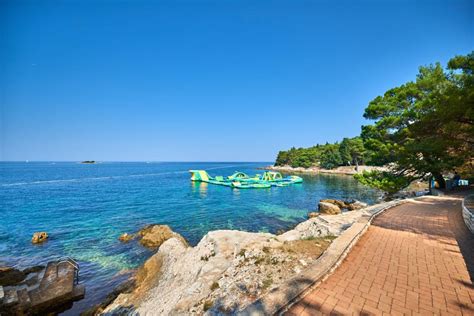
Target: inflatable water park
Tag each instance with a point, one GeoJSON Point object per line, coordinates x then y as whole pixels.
{"type": "Point", "coordinates": [240, 180]}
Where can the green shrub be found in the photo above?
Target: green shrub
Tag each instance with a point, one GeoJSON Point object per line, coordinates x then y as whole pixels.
{"type": "Point", "coordinates": [214, 286]}
{"type": "Point", "coordinates": [383, 180]}
{"type": "Point", "coordinates": [207, 305]}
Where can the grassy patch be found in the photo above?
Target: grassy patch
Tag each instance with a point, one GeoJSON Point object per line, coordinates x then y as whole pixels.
{"type": "Point", "coordinates": [206, 258]}
{"type": "Point", "coordinates": [207, 305]}
{"type": "Point", "coordinates": [214, 286]}
{"type": "Point", "coordinates": [313, 246]}
{"type": "Point", "coordinates": [267, 282]}
{"type": "Point", "coordinates": [259, 260]}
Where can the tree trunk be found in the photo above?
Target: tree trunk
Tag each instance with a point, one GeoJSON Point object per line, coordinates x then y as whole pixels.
{"type": "Point", "coordinates": [430, 186]}
{"type": "Point", "coordinates": [440, 179]}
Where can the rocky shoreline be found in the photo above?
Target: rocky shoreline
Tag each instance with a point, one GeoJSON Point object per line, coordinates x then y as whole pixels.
{"type": "Point", "coordinates": [228, 270]}
{"type": "Point", "coordinates": [345, 170]}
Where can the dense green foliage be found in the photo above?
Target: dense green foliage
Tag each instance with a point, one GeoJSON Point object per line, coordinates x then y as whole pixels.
{"type": "Point", "coordinates": [353, 151]}
{"type": "Point", "coordinates": [385, 181]}
{"type": "Point", "coordinates": [350, 151]}
{"type": "Point", "coordinates": [421, 128]}
{"type": "Point", "coordinates": [427, 126]}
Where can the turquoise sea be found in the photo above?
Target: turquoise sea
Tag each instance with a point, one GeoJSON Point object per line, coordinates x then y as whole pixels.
{"type": "Point", "coordinates": [85, 207]}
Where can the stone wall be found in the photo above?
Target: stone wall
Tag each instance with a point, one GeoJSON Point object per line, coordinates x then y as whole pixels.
{"type": "Point", "coordinates": [468, 212]}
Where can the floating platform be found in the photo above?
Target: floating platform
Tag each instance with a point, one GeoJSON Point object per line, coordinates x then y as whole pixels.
{"type": "Point", "coordinates": [240, 180]}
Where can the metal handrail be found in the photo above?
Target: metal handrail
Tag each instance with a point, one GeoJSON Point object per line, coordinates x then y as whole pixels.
{"type": "Point", "coordinates": [70, 260]}
{"type": "Point", "coordinates": [74, 264]}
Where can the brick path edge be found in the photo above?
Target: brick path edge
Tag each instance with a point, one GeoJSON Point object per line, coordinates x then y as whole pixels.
{"type": "Point", "coordinates": [280, 299]}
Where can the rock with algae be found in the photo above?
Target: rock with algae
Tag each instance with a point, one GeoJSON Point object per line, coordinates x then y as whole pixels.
{"type": "Point", "coordinates": [39, 237]}
{"type": "Point", "coordinates": [152, 236]}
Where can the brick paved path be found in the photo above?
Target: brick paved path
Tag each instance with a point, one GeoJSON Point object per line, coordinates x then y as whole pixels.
{"type": "Point", "coordinates": [416, 258]}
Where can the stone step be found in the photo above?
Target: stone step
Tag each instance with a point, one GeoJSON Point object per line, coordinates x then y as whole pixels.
{"type": "Point", "coordinates": [57, 284]}
{"type": "Point", "coordinates": [52, 288]}
{"type": "Point", "coordinates": [50, 275]}
{"type": "Point", "coordinates": [66, 274]}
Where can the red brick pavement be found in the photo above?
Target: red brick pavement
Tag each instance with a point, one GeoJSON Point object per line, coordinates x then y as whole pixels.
{"type": "Point", "coordinates": [415, 259]}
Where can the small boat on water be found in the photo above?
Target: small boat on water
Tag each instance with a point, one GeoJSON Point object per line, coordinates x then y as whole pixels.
{"type": "Point", "coordinates": [240, 180]}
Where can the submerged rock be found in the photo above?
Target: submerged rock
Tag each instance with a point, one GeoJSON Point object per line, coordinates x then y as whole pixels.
{"type": "Point", "coordinates": [328, 208]}
{"type": "Point", "coordinates": [125, 237]}
{"type": "Point", "coordinates": [39, 237]}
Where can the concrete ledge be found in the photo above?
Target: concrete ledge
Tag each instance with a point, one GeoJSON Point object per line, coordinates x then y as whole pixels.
{"type": "Point", "coordinates": [468, 212]}
{"type": "Point", "coordinates": [281, 298]}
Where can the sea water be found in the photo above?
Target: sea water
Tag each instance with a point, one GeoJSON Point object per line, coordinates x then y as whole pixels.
{"type": "Point", "coordinates": [86, 207]}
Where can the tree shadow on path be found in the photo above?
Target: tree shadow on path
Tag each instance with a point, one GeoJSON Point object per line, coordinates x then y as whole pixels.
{"type": "Point", "coordinates": [436, 219]}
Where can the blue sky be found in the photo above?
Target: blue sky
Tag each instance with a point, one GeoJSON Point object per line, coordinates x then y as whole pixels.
{"type": "Point", "coordinates": [207, 80]}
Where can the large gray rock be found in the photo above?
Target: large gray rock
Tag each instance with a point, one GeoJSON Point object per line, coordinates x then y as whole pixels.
{"type": "Point", "coordinates": [126, 237]}
{"type": "Point", "coordinates": [350, 205]}
{"type": "Point", "coordinates": [180, 277]}
{"type": "Point", "coordinates": [356, 205]}
{"type": "Point", "coordinates": [328, 208]}
{"type": "Point", "coordinates": [339, 203]}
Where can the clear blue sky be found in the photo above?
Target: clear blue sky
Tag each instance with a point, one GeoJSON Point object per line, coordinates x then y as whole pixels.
{"type": "Point", "coordinates": [207, 80]}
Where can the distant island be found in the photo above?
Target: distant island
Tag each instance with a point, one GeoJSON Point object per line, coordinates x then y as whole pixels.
{"type": "Point", "coordinates": [88, 161]}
